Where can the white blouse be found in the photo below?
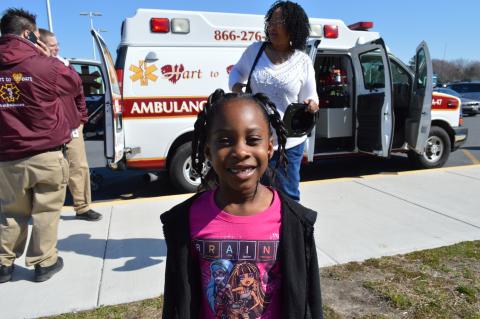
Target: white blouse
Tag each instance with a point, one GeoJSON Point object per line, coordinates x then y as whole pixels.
{"type": "Point", "coordinates": [292, 81]}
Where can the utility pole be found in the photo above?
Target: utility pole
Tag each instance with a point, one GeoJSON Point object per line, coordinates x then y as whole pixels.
{"type": "Point", "coordinates": [92, 14]}
{"type": "Point", "coordinates": [49, 14]}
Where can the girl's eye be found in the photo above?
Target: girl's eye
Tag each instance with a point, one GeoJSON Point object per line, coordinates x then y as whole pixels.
{"type": "Point", "coordinates": [224, 141]}
{"type": "Point", "coordinates": [254, 140]}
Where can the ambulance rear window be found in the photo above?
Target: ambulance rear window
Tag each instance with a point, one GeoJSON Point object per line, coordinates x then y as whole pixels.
{"type": "Point", "coordinates": [373, 70]}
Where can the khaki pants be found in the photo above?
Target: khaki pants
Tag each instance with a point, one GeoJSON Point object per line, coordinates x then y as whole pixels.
{"type": "Point", "coordinates": [31, 188]}
{"type": "Point", "coordinates": [79, 181]}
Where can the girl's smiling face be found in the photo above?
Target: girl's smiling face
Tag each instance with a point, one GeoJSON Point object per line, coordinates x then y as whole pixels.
{"type": "Point", "coordinates": [239, 146]}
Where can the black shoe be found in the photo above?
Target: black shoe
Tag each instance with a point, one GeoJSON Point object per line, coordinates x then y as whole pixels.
{"type": "Point", "coordinates": [89, 215]}
{"type": "Point", "coordinates": [6, 273]}
{"type": "Point", "coordinates": [45, 273]}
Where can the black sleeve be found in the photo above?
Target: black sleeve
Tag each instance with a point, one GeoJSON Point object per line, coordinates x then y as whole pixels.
{"type": "Point", "coordinates": [169, 289]}
{"type": "Point", "coordinates": [314, 292]}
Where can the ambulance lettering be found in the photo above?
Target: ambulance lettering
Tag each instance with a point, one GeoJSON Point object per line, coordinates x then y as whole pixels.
{"type": "Point", "coordinates": [444, 102]}
{"type": "Point", "coordinates": [160, 108]}
{"type": "Point", "coordinates": [173, 73]}
{"type": "Point", "coordinates": [436, 102]}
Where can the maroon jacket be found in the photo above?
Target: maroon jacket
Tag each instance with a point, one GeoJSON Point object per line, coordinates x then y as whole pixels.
{"type": "Point", "coordinates": [75, 107]}
{"type": "Point", "coordinates": [32, 117]}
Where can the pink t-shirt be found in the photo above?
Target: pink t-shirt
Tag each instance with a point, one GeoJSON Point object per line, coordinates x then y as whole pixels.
{"type": "Point", "coordinates": [238, 259]}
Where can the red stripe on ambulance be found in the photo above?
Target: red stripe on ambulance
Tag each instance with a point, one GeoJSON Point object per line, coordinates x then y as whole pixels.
{"type": "Point", "coordinates": [444, 102]}
{"type": "Point", "coordinates": [163, 107]}
{"type": "Point", "coordinates": [145, 163]}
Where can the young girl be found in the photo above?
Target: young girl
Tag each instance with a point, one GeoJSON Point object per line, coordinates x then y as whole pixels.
{"type": "Point", "coordinates": [239, 249]}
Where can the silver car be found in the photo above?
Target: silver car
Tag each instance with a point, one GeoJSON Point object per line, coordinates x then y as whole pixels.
{"type": "Point", "coordinates": [469, 106]}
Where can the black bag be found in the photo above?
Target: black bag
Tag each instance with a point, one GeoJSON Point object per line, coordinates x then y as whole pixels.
{"type": "Point", "coordinates": [248, 89]}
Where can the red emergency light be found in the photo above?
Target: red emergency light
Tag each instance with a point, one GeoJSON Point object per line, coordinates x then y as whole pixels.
{"type": "Point", "coordinates": [330, 31]}
{"type": "Point", "coordinates": [159, 25]}
{"type": "Point", "coordinates": [361, 26]}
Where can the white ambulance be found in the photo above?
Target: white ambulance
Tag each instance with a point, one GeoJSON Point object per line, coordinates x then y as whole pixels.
{"type": "Point", "coordinates": [168, 62]}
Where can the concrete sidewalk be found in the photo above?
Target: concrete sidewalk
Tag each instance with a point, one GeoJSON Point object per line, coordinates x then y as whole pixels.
{"type": "Point", "coordinates": [122, 258]}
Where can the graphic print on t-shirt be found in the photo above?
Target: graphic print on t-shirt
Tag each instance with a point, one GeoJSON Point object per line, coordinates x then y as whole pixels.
{"type": "Point", "coordinates": [232, 276]}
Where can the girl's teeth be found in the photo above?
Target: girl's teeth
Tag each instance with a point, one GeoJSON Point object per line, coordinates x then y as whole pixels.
{"type": "Point", "coordinates": [245, 170]}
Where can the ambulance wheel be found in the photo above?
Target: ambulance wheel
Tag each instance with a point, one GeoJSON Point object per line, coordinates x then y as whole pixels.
{"type": "Point", "coordinates": [179, 171]}
{"type": "Point", "coordinates": [436, 151]}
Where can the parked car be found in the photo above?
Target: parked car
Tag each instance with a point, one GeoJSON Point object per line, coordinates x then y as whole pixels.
{"type": "Point", "coordinates": [469, 106]}
{"type": "Point", "coordinates": [469, 90]}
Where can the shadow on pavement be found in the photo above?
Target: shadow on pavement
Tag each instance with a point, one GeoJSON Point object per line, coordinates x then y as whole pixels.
{"type": "Point", "coordinates": [361, 165]}
{"type": "Point", "coordinates": [141, 250]}
{"type": "Point", "coordinates": [22, 273]}
{"type": "Point", "coordinates": [128, 184]}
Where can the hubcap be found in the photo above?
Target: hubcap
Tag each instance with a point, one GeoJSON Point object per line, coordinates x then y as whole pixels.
{"type": "Point", "coordinates": [187, 166]}
{"type": "Point", "coordinates": [434, 149]}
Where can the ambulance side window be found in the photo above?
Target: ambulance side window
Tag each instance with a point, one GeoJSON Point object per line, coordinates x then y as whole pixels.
{"type": "Point", "coordinates": [373, 70]}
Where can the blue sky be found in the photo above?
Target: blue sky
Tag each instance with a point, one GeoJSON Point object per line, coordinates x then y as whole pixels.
{"type": "Point", "coordinates": [450, 28]}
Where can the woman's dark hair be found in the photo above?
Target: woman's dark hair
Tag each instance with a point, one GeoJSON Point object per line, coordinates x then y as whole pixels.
{"type": "Point", "coordinates": [204, 122]}
{"type": "Point", "coordinates": [296, 22]}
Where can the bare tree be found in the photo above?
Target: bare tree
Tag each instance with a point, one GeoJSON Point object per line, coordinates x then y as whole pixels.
{"type": "Point", "coordinates": [457, 70]}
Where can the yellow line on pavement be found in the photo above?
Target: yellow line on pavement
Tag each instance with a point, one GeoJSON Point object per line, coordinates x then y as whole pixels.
{"type": "Point", "coordinates": [333, 180]}
{"type": "Point", "coordinates": [471, 156]}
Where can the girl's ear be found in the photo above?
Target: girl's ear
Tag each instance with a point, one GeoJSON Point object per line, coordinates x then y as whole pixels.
{"type": "Point", "coordinates": [270, 148]}
{"type": "Point", "coordinates": [207, 152]}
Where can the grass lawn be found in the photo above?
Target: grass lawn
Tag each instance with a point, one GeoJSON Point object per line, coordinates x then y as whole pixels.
{"type": "Point", "coordinates": [434, 283]}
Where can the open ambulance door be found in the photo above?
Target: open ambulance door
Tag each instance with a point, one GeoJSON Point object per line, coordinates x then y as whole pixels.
{"type": "Point", "coordinates": [419, 120]}
{"type": "Point", "coordinates": [312, 47]}
{"type": "Point", "coordinates": [114, 139]}
{"type": "Point", "coordinates": [373, 98]}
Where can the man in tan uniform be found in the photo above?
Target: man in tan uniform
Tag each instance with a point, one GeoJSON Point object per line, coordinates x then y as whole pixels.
{"type": "Point", "coordinates": [33, 132]}
{"type": "Point", "coordinates": [76, 114]}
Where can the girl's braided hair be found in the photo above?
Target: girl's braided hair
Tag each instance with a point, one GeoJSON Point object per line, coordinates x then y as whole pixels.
{"type": "Point", "coordinates": [203, 124]}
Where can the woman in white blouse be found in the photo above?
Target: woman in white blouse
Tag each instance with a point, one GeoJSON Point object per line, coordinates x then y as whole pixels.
{"type": "Point", "coordinates": [285, 74]}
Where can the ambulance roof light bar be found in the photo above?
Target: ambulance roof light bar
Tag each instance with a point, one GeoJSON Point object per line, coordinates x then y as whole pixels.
{"type": "Point", "coordinates": [316, 30]}
{"type": "Point", "coordinates": [180, 25]}
{"type": "Point", "coordinates": [159, 25]}
{"type": "Point", "coordinates": [330, 31]}
{"type": "Point", "coordinates": [162, 25]}
{"type": "Point", "coordinates": [361, 26]}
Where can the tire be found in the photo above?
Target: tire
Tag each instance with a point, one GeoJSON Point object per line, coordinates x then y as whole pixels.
{"type": "Point", "coordinates": [179, 170]}
{"type": "Point", "coordinates": [437, 150]}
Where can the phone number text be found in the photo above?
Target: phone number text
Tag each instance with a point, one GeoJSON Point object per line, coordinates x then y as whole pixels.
{"type": "Point", "coordinates": [226, 35]}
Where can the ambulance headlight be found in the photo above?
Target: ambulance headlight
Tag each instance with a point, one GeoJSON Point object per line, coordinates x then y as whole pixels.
{"type": "Point", "coordinates": [316, 30]}
{"type": "Point", "coordinates": [180, 25]}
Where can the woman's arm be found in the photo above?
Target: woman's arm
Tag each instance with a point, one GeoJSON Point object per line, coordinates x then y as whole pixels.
{"type": "Point", "coordinates": [240, 71]}
{"type": "Point", "coordinates": [308, 91]}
